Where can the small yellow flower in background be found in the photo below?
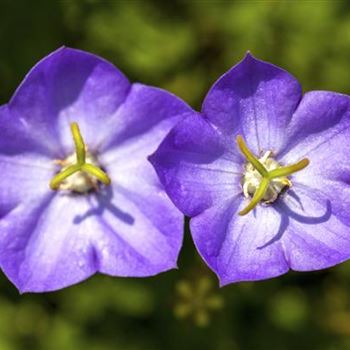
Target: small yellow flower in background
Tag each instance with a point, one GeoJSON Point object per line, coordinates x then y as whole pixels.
{"type": "Point", "coordinates": [196, 299]}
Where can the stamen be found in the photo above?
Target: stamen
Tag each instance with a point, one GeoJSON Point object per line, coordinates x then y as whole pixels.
{"type": "Point", "coordinates": [266, 176]}
{"type": "Point", "coordinates": [81, 165]}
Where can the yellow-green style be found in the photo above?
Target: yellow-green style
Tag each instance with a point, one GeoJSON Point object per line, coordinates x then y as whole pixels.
{"type": "Point", "coordinates": [266, 175]}
{"type": "Point", "coordinates": [81, 164]}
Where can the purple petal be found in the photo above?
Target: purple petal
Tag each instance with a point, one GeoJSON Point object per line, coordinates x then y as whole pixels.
{"type": "Point", "coordinates": [256, 99]}
{"type": "Point", "coordinates": [41, 247]}
{"type": "Point", "coordinates": [235, 246]}
{"type": "Point", "coordinates": [142, 121]}
{"type": "Point", "coordinates": [195, 167]}
{"type": "Point", "coordinates": [152, 227]}
{"type": "Point", "coordinates": [320, 131]}
{"type": "Point", "coordinates": [316, 235]}
{"type": "Point", "coordinates": [52, 240]}
{"type": "Point", "coordinates": [56, 242]}
{"type": "Point", "coordinates": [301, 231]}
{"type": "Point", "coordinates": [306, 230]}
{"type": "Point", "coordinates": [17, 138]}
{"type": "Point", "coordinates": [22, 178]}
{"type": "Point", "coordinates": [25, 173]}
{"type": "Point", "coordinates": [68, 85]}
{"type": "Point", "coordinates": [142, 231]}
{"type": "Point", "coordinates": [321, 122]}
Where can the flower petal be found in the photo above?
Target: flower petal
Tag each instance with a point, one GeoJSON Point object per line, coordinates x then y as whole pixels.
{"type": "Point", "coordinates": [144, 119]}
{"type": "Point", "coordinates": [25, 173]}
{"type": "Point", "coordinates": [321, 121]}
{"type": "Point", "coordinates": [306, 229]}
{"type": "Point", "coordinates": [153, 227]}
{"type": "Point", "coordinates": [140, 231]}
{"type": "Point", "coordinates": [22, 178]}
{"type": "Point", "coordinates": [300, 231]}
{"type": "Point", "coordinates": [195, 167]}
{"type": "Point", "coordinates": [256, 99]}
{"type": "Point", "coordinates": [52, 240]}
{"type": "Point", "coordinates": [16, 138]}
{"type": "Point", "coordinates": [42, 248]}
{"type": "Point", "coordinates": [68, 85]}
{"type": "Point", "coordinates": [61, 239]}
{"type": "Point", "coordinates": [320, 131]}
{"type": "Point", "coordinates": [235, 247]}
{"type": "Point", "coordinates": [317, 237]}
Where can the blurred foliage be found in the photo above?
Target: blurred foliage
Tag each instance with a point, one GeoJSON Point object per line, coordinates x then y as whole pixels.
{"type": "Point", "coordinates": [182, 46]}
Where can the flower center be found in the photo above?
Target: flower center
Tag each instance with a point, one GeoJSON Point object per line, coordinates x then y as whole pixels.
{"type": "Point", "coordinates": [80, 171]}
{"type": "Point", "coordinates": [264, 180]}
{"type": "Point", "coordinates": [79, 181]}
{"type": "Point", "coordinates": [252, 178]}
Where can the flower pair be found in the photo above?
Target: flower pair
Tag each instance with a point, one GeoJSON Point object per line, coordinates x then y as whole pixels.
{"type": "Point", "coordinates": [240, 169]}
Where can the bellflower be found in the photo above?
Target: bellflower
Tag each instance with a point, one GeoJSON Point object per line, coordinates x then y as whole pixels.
{"type": "Point", "coordinates": [264, 173]}
{"type": "Point", "coordinates": [77, 194]}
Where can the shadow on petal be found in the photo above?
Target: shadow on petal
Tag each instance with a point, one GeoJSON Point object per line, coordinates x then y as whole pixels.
{"type": "Point", "coordinates": [286, 213]}
{"type": "Point", "coordinates": [104, 199]}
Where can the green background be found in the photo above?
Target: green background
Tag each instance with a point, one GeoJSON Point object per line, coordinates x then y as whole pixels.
{"type": "Point", "coordinates": [184, 47]}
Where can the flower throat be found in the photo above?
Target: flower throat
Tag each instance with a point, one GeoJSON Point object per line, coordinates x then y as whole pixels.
{"type": "Point", "coordinates": [264, 179]}
{"type": "Point", "coordinates": [80, 171]}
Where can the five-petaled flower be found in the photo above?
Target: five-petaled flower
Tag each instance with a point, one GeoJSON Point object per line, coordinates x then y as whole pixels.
{"type": "Point", "coordinates": [77, 125]}
{"type": "Point", "coordinates": [264, 173]}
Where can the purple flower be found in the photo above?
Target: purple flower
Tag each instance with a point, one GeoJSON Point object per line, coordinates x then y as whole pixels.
{"type": "Point", "coordinates": [106, 210]}
{"type": "Point", "coordinates": [264, 173]}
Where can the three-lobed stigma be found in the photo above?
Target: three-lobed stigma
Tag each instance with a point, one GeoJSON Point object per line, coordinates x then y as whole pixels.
{"type": "Point", "coordinates": [80, 174]}
{"type": "Point", "coordinates": [264, 178]}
